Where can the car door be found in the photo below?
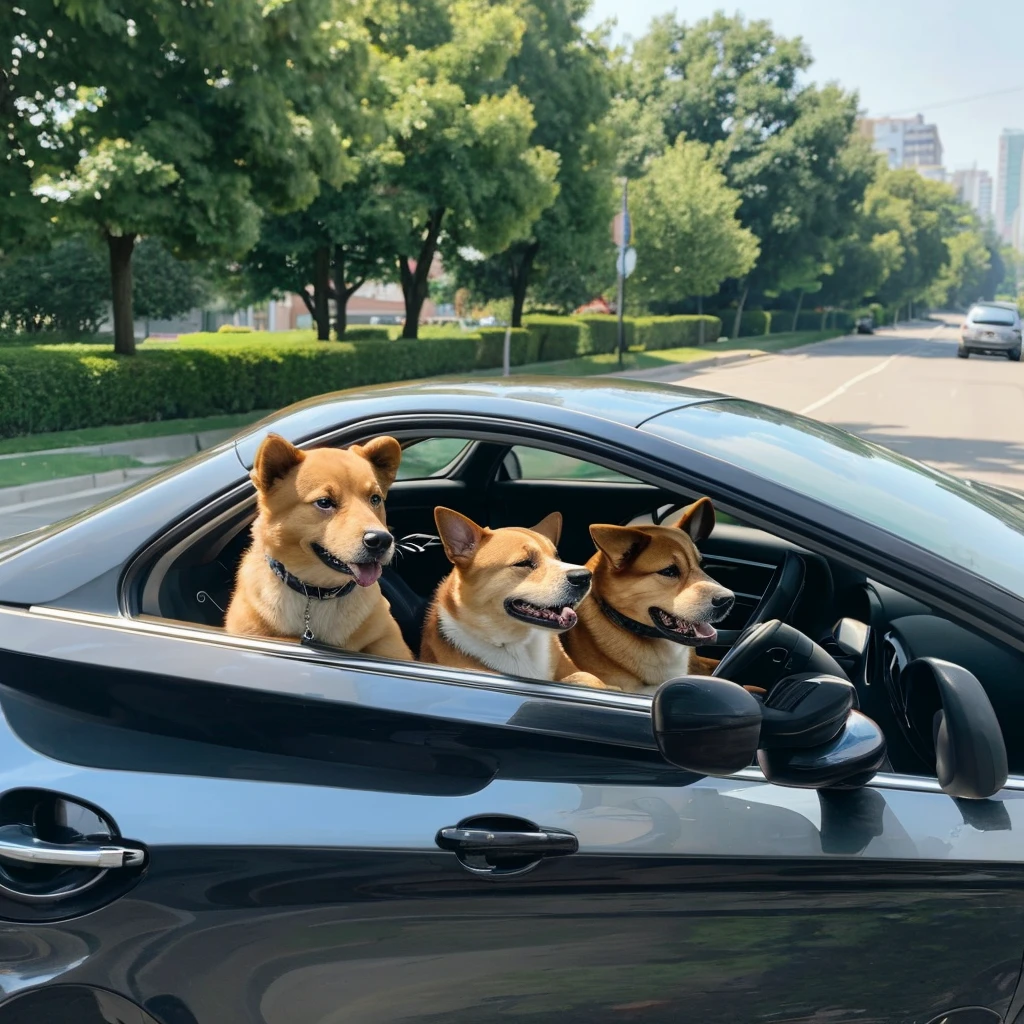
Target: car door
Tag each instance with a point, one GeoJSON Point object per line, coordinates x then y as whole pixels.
{"type": "Point", "coordinates": [310, 829]}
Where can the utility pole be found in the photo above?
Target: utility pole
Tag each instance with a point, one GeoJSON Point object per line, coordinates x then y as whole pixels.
{"type": "Point", "coordinates": [621, 266]}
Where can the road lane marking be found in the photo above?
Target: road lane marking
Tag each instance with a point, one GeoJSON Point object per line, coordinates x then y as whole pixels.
{"type": "Point", "coordinates": [843, 388]}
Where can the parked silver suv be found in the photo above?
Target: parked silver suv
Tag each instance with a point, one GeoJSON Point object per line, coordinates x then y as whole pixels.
{"type": "Point", "coordinates": [993, 328]}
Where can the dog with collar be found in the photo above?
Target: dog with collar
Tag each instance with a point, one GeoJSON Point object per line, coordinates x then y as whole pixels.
{"type": "Point", "coordinates": [506, 603]}
{"type": "Point", "coordinates": [319, 544]}
{"type": "Point", "coordinates": [650, 604]}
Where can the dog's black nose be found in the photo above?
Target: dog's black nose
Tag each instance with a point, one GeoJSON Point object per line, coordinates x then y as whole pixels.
{"type": "Point", "coordinates": [377, 541]}
{"type": "Point", "coordinates": [579, 578]}
{"type": "Point", "coordinates": [723, 602]}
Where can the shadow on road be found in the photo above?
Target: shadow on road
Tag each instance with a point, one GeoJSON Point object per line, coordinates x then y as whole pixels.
{"type": "Point", "coordinates": [960, 456]}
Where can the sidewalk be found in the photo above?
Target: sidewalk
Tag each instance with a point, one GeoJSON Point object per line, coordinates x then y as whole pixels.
{"type": "Point", "coordinates": [157, 451]}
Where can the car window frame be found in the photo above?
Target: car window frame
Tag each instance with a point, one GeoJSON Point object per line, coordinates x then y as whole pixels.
{"type": "Point", "coordinates": [492, 437]}
{"type": "Point", "coordinates": [769, 506]}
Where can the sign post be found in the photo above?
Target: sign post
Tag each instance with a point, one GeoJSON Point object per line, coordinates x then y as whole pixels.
{"type": "Point", "coordinates": [625, 265]}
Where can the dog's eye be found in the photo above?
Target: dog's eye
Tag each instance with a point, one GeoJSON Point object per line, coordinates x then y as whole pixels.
{"type": "Point", "coordinates": [671, 571]}
{"type": "Point", "coordinates": [375, 500]}
{"type": "Point", "coordinates": [324, 503]}
{"type": "Point", "coordinates": [526, 563]}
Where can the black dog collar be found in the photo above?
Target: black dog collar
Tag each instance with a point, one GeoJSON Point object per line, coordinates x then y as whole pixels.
{"type": "Point", "coordinates": [307, 589]}
{"type": "Point", "coordinates": [637, 628]}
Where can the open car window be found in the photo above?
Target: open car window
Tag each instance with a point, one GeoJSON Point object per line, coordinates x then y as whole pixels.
{"type": "Point", "coordinates": [536, 464]}
{"type": "Point", "coordinates": [430, 457]}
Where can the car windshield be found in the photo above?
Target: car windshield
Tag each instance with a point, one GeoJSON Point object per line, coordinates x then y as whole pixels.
{"type": "Point", "coordinates": [969, 526]}
{"type": "Point", "coordinates": [993, 315]}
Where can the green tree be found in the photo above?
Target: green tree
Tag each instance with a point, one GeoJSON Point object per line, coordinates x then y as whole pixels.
{"type": "Point", "coordinates": [962, 277]}
{"type": "Point", "coordinates": [182, 120]}
{"type": "Point", "coordinates": [460, 159]}
{"type": "Point", "coordinates": [164, 287]}
{"type": "Point", "coordinates": [65, 288]}
{"type": "Point", "coordinates": [563, 71]}
{"type": "Point", "coordinates": [786, 146]}
{"type": "Point", "coordinates": [688, 236]}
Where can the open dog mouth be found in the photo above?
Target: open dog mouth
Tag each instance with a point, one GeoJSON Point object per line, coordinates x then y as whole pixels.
{"type": "Point", "coordinates": [364, 573]}
{"type": "Point", "coordinates": [561, 617]}
{"type": "Point", "coordinates": [693, 634]}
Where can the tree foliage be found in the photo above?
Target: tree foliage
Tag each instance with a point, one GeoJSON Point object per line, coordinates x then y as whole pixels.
{"type": "Point", "coordinates": [688, 236]}
{"type": "Point", "coordinates": [567, 253]}
{"type": "Point", "coordinates": [183, 120]}
{"type": "Point", "coordinates": [460, 158]}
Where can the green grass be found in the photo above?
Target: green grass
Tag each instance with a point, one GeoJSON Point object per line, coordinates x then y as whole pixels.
{"type": "Point", "coordinates": [34, 468]}
{"type": "Point", "coordinates": [127, 432]}
{"type": "Point", "coordinates": [608, 362]}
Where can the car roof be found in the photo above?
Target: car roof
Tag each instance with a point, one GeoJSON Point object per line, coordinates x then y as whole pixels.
{"type": "Point", "coordinates": [618, 400]}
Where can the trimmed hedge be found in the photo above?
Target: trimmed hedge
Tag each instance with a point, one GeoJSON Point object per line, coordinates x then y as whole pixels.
{"type": "Point", "coordinates": [367, 332]}
{"type": "Point", "coordinates": [52, 387]}
{"type": "Point", "coordinates": [660, 332]}
{"type": "Point", "coordinates": [602, 333]}
{"type": "Point", "coordinates": [558, 337]}
{"type": "Point", "coordinates": [76, 386]}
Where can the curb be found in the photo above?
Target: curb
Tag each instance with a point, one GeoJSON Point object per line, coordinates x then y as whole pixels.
{"type": "Point", "coordinates": [16, 498]}
{"type": "Point", "coordinates": [145, 449]}
{"type": "Point", "coordinates": [676, 370]}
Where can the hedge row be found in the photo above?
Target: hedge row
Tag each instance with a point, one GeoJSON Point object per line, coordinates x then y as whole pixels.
{"type": "Point", "coordinates": [65, 387]}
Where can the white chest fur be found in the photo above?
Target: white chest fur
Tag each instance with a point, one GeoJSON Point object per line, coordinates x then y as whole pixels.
{"type": "Point", "coordinates": [668, 660]}
{"type": "Point", "coordinates": [532, 658]}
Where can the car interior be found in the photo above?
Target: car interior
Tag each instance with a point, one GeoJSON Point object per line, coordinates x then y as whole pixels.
{"type": "Point", "coordinates": [503, 484]}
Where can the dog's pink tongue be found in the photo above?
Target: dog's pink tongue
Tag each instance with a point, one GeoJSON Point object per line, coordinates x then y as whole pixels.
{"type": "Point", "coordinates": [366, 573]}
{"type": "Point", "coordinates": [705, 631]}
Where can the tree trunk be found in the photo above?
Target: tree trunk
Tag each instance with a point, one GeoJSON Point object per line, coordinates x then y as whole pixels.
{"type": "Point", "coordinates": [521, 282]}
{"type": "Point", "coordinates": [739, 310]}
{"type": "Point", "coordinates": [415, 283]}
{"type": "Point", "coordinates": [341, 294]}
{"type": "Point", "coordinates": [796, 314]}
{"type": "Point", "coordinates": [824, 318]}
{"type": "Point", "coordinates": [121, 247]}
{"type": "Point", "coordinates": [700, 322]}
{"type": "Point", "coordinates": [321, 292]}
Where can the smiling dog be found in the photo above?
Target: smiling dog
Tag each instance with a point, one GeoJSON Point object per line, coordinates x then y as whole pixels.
{"type": "Point", "coordinates": [319, 545]}
{"type": "Point", "coordinates": [503, 606]}
{"type": "Point", "coordinates": [651, 603]}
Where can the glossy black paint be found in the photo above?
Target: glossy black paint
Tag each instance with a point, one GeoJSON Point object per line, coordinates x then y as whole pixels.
{"type": "Point", "coordinates": [290, 936]}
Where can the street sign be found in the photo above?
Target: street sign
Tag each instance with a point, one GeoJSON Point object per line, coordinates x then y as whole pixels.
{"type": "Point", "coordinates": [625, 262]}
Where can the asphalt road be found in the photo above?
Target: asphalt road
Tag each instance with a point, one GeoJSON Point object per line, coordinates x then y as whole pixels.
{"type": "Point", "coordinates": [902, 388]}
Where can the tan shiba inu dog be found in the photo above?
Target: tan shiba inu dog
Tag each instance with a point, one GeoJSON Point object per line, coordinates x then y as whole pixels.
{"type": "Point", "coordinates": [503, 606]}
{"type": "Point", "coordinates": [650, 604]}
{"type": "Point", "coordinates": [319, 543]}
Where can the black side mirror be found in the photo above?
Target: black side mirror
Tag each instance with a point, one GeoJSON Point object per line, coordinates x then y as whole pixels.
{"type": "Point", "coordinates": [848, 761]}
{"type": "Point", "coordinates": [706, 725]}
{"type": "Point", "coordinates": [956, 728]}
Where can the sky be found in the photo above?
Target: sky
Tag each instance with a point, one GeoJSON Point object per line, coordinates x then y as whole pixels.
{"type": "Point", "coordinates": [903, 57]}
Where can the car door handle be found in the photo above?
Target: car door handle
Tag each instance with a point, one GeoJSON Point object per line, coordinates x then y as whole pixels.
{"type": "Point", "coordinates": [17, 842]}
{"type": "Point", "coordinates": [548, 842]}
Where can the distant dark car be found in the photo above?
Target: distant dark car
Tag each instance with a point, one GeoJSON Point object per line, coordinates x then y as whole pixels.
{"type": "Point", "coordinates": [865, 325]}
{"type": "Point", "coordinates": [200, 827]}
{"type": "Point", "coordinates": [991, 328]}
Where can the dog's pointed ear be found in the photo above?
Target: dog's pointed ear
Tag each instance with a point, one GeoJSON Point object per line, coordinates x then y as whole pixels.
{"type": "Point", "coordinates": [385, 455]}
{"type": "Point", "coordinates": [619, 544]}
{"type": "Point", "coordinates": [550, 527]}
{"type": "Point", "coordinates": [460, 536]}
{"type": "Point", "coordinates": [698, 520]}
{"type": "Point", "coordinates": [275, 458]}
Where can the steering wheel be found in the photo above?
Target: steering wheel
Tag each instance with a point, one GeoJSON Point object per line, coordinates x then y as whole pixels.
{"type": "Point", "coordinates": [778, 600]}
{"type": "Point", "coordinates": [769, 651]}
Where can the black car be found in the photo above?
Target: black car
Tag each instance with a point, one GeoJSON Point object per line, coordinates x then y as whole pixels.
{"type": "Point", "coordinates": [201, 827]}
